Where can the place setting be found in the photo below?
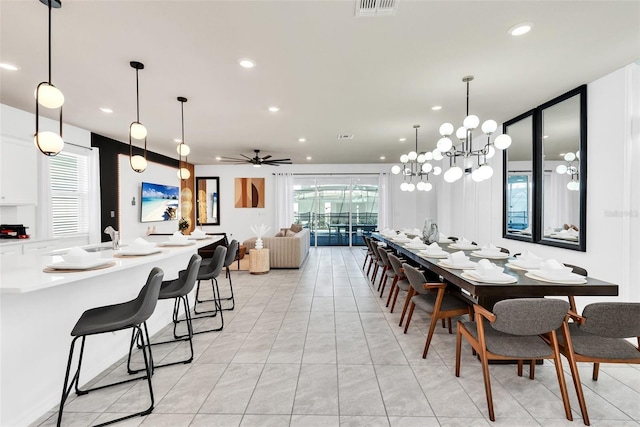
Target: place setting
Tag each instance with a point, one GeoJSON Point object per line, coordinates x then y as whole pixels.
{"type": "Point", "coordinates": [457, 261]}
{"type": "Point", "coordinates": [415, 243]}
{"type": "Point", "coordinates": [177, 239]}
{"type": "Point", "coordinates": [487, 272]}
{"type": "Point", "coordinates": [526, 261]}
{"type": "Point", "coordinates": [490, 251]}
{"type": "Point", "coordinates": [198, 234]}
{"type": "Point", "coordinates": [553, 271]}
{"type": "Point", "coordinates": [400, 238]}
{"type": "Point", "coordinates": [77, 259]}
{"type": "Point", "coordinates": [464, 245]}
{"type": "Point", "coordinates": [433, 251]}
{"type": "Point", "coordinates": [138, 247]}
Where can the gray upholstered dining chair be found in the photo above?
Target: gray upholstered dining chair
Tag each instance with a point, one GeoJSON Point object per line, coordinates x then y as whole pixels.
{"type": "Point", "coordinates": [399, 283]}
{"type": "Point", "coordinates": [599, 336]}
{"type": "Point", "coordinates": [440, 304]}
{"type": "Point", "coordinates": [514, 332]}
{"type": "Point", "coordinates": [387, 270]}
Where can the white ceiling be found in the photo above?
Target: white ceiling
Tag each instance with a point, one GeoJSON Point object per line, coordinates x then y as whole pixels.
{"type": "Point", "coordinates": [329, 71]}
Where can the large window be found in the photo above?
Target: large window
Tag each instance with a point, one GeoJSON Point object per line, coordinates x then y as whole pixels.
{"type": "Point", "coordinates": [337, 210]}
{"type": "Point", "coordinates": [69, 194]}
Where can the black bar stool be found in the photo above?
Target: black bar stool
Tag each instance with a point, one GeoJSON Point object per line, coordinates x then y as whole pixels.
{"type": "Point", "coordinates": [178, 289]}
{"type": "Point", "coordinates": [111, 318]}
{"type": "Point", "coordinates": [211, 271]}
{"type": "Point", "coordinates": [232, 253]}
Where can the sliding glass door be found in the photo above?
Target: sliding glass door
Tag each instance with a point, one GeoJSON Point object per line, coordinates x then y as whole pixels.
{"type": "Point", "coordinates": [338, 210]}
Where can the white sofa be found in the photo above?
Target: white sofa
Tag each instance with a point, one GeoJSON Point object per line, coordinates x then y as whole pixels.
{"type": "Point", "coordinates": [284, 252]}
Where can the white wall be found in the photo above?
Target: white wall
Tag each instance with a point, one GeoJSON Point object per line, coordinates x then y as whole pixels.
{"type": "Point", "coordinates": [130, 188]}
{"type": "Point", "coordinates": [613, 188]}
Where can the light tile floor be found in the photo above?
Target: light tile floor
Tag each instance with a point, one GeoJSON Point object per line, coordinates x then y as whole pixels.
{"type": "Point", "coordinates": [316, 347]}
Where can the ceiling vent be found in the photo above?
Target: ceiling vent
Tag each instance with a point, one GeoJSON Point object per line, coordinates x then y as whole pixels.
{"type": "Point", "coordinates": [376, 7]}
{"type": "Point", "coordinates": [344, 136]}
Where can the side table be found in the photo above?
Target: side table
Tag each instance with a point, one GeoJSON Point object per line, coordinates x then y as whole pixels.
{"type": "Point", "coordinates": [259, 261]}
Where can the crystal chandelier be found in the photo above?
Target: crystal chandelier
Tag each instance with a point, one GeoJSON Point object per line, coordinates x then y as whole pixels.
{"type": "Point", "coordinates": [464, 151]}
{"type": "Point", "coordinates": [414, 164]}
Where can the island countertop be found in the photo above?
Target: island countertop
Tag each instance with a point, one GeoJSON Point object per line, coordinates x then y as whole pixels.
{"type": "Point", "coordinates": [24, 273]}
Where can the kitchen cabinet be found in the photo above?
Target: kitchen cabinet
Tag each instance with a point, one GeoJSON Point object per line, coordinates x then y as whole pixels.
{"type": "Point", "coordinates": [18, 172]}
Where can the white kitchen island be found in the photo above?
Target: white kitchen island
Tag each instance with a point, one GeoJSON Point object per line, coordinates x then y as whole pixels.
{"type": "Point", "coordinates": [38, 311]}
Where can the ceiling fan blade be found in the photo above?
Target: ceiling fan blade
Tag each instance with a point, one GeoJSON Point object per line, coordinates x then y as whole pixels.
{"type": "Point", "coordinates": [266, 158]}
{"type": "Point", "coordinates": [248, 158]}
{"type": "Point", "coordinates": [280, 160]}
{"type": "Point", "coordinates": [223, 158]}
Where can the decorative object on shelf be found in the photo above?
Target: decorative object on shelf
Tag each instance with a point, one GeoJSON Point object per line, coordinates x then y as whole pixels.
{"type": "Point", "coordinates": [482, 170]}
{"type": "Point", "coordinates": [259, 232]}
{"type": "Point", "coordinates": [49, 143]}
{"type": "Point", "coordinates": [183, 149]}
{"type": "Point", "coordinates": [414, 164]}
{"type": "Point", "coordinates": [136, 129]}
{"type": "Point", "coordinates": [249, 193]}
{"type": "Point", "coordinates": [257, 161]}
{"type": "Point", "coordinates": [183, 224]}
{"type": "Point", "coordinates": [430, 232]}
{"type": "Point", "coordinates": [570, 169]}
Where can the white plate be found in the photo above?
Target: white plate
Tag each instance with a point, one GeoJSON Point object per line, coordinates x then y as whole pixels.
{"type": "Point", "coordinates": [463, 247]}
{"type": "Point", "coordinates": [573, 279]}
{"type": "Point", "coordinates": [401, 239]}
{"type": "Point", "coordinates": [170, 243]}
{"type": "Point", "coordinates": [505, 278]}
{"type": "Point", "coordinates": [80, 266]}
{"type": "Point", "coordinates": [446, 241]}
{"type": "Point", "coordinates": [139, 252]}
{"type": "Point", "coordinates": [438, 255]}
{"type": "Point", "coordinates": [512, 265]}
{"type": "Point", "coordinates": [469, 266]}
{"type": "Point", "coordinates": [412, 246]}
{"type": "Point", "coordinates": [498, 255]}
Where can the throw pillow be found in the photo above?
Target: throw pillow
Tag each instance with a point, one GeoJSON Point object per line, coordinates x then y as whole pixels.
{"type": "Point", "coordinates": [290, 233]}
{"type": "Point", "coordinates": [296, 228]}
{"type": "Point", "coordinates": [279, 234]}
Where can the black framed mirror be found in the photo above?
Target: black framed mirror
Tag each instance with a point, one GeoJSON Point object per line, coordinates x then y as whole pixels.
{"type": "Point", "coordinates": [548, 205]}
{"type": "Point", "coordinates": [208, 200]}
{"type": "Point", "coordinates": [518, 199]}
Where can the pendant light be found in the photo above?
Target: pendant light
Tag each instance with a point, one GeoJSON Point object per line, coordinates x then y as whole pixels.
{"type": "Point", "coordinates": [136, 129]}
{"type": "Point", "coordinates": [183, 149]}
{"type": "Point", "coordinates": [49, 96]}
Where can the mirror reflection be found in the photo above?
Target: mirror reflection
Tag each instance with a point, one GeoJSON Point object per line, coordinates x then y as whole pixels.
{"type": "Point", "coordinates": [208, 200]}
{"type": "Point", "coordinates": [519, 178]}
{"type": "Point", "coordinates": [561, 171]}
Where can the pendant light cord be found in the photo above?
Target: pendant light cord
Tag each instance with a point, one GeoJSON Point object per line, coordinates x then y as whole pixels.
{"type": "Point", "coordinates": [50, 42]}
{"type": "Point", "coordinates": [137, 99]}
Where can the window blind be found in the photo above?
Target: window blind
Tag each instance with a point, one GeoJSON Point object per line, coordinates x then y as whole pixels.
{"type": "Point", "coordinates": [69, 193]}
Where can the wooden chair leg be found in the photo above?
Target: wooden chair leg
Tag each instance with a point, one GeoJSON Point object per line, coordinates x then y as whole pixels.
{"type": "Point", "coordinates": [443, 322]}
{"type": "Point", "coordinates": [532, 369]}
{"type": "Point", "coordinates": [410, 294]}
{"type": "Point", "coordinates": [487, 388]}
{"type": "Point", "coordinates": [560, 373]}
{"type": "Point", "coordinates": [520, 363]}
{"type": "Point", "coordinates": [596, 371]}
{"type": "Point", "coordinates": [449, 324]}
{"type": "Point", "coordinates": [432, 329]}
{"type": "Point", "coordinates": [575, 375]}
{"type": "Point", "coordinates": [393, 287]}
{"type": "Point", "coordinates": [458, 348]}
{"type": "Point", "coordinates": [395, 298]}
{"type": "Point", "coordinates": [413, 305]}
{"type": "Point", "coordinates": [383, 278]}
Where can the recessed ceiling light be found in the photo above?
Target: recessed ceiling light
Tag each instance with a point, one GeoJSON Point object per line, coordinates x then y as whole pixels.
{"type": "Point", "coordinates": [274, 109]}
{"type": "Point", "coordinates": [302, 140]}
{"type": "Point", "coordinates": [382, 157]}
{"type": "Point", "coordinates": [436, 108]}
{"type": "Point", "coordinates": [308, 157]}
{"type": "Point", "coordinates": [520, 29]}
{"type": "Point", "coordinates": [178, 140]}
{"type": "Point", "coordinates": [402, 139]}
{"type": "Point", "coordinates": [106, 110]}
{"type": "Point", "coordinates": [10, 67]}
{"type": "Point", "coordinates": [218, 158]}
{"type": "Point", "coordinates": [247, 63]}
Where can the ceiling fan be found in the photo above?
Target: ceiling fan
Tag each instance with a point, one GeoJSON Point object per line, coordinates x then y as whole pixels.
{"type": "Point", "coordinates": [257, 161]}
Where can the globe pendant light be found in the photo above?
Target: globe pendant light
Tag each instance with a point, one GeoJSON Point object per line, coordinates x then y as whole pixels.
{"type": "Point", "coordinates": [183, 149]}
{"type": "Point", "coordinates": [49, 96]}
{"type": "Point", "coordinates": [414, 164]}
{"type": "Point", "coordinates": [136, 129]}
{"type": "Point", "coordinates": [483, 170]}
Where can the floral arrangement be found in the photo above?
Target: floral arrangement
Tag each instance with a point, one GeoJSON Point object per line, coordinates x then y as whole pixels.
{"type": "Point", "coordinates": [183, 224]}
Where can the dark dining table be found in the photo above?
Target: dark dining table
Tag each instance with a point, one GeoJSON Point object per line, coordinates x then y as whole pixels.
{"type": "Point", "coordinates": [487, 294]}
